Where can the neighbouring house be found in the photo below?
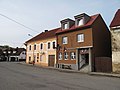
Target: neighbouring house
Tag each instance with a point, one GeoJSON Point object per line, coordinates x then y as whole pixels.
{"type": "Point", "coordinates": [1, 55]}
{"type": "Point", "coordinates": [84, 44]}
{"type": "Point", "coordinates": [42, 49]}
{"type": "Point", "coordinates": [14, 54]}
{"type": "Point", "coordinates": [115, 34]}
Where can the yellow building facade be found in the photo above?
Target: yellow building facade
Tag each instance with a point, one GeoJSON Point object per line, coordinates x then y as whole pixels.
{"type": "Point", "coordinates": [42, 49]}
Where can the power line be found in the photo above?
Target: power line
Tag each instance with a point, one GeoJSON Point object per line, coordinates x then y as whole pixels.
{"type": "Point", "coordinates": [19, 23]}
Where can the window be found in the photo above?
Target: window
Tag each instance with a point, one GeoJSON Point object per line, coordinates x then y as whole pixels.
{"type": "Point", "coordinates": [72, 56]}
{"type": "Point", "coordinates": [40, 57]}
{"type": "Point", "coordinates": [60, 56]}
{"type": "Point", "coordinates": [49, 45]}
{"type": "Point", "coordinates": [29, 59]}
{"type": "Point", "coordinates": [80, 37]}
{"type": "Point", "coordinates": [53, 45]}
{"type": "Point", "coordinates": [41, 46]}
{"type": "Point", "coordinates": [14, 51]}
{"type": "Point", "coordinates": [64, 40]}
{"type": "Point", "coordinates": [34, 47]}
{"type": "Point", "coordinates": [30, 47]}
{"type": "Point", "coordinates": [65, 55]}
{"type": "Point", "coordinates": [80, 22]}
{"type": "Point", "coordinates": [9, 51]}
{"type": "Point", "coordinates": [65, 26]}
{"type": "Point", "coordinates": [34, 57]}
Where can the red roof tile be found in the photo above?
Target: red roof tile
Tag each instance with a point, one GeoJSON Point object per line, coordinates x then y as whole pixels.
{"type": "Point", "coordinates": [93, 18]}
{"type": "Point", "coordinates": [116, 19]}
{"type": "Point", "coordinates": [44, 35]}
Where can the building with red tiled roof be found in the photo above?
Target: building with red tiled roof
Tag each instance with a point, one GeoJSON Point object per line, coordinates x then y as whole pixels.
{"type": "Point", "coordinates": [84, 44]}
{"type": "Point", "coordinates": [41, 49]}
{"type": "Point", "coordinates": [116, 20]}
{"type": "Point", "coordinates": [115, 34]}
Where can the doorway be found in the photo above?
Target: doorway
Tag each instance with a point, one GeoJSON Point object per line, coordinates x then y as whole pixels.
{"type": "Point", "coordinates": [51, 60]}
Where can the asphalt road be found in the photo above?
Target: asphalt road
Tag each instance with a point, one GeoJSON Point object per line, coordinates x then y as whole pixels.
{"type": "Point", "coordinates": [14, 76]}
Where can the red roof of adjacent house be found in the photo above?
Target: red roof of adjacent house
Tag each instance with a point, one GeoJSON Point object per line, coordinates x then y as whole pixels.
{"type": "Point", "coordinates": [44, 35]}
{"type": "Point", "coordinates": [89, 23]}
{"type": "Point", "coordinates": [116, 19]}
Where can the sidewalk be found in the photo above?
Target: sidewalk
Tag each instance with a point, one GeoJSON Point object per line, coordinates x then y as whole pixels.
{"type": "Point", "coordinates": [75, 71]}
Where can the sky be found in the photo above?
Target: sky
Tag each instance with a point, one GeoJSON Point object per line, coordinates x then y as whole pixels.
{"type": "Point", "coordinates": [40, 15]}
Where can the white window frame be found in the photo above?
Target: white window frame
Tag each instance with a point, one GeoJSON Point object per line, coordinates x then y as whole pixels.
{"type": "Point", "coordinates": [34, 46]}
{"type": "Point", "coordinates": [66, 55]}
{"type": "Point", "coordinates": [60, 56]}
{"type": "Point", "coordinates": [73, 54]}
{"type": "Point", "coordinates": [47, 45]}
{"type": "Point", "coordinates": [65, 40]}
{"type": "Point", "coordinates": [52, 44]}
{"type": "Point", "coordinates": [80, 22]}
{"type": "Point", "coordinates": [80, 37]}
{"type": "Point", "coordinates": [65, 26]}
{"type": "Point", "coordinates": [42, 46]}
{"type": "Point", "coordinates": [41, 58]}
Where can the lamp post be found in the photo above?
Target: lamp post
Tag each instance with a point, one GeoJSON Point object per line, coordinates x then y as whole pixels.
{"type": "Point", "coordinates": [33, 49]}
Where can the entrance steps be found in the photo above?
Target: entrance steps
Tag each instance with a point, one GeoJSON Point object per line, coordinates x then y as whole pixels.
{"type": "Point", "coordinates": [85, 68]}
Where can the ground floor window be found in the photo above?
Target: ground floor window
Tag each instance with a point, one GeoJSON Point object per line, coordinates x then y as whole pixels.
{"type": "Point", "coordinates": [29, 59]}
{"type": "Point", "coordinates": [60, 56]}
{"type": "Point", "coordinates": [66, 56]}
{"type": "Point", "coordinates": [40, 57]}
{"type": "Point", "coordinates": [72, 56]}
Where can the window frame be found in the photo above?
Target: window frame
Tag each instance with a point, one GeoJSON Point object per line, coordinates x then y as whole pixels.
{"type": "Point", "coordinates": [81, 36]}
{"type": "Point", "coordinates": [30, 47]}
{"type": "Point", "coordinates": [53, 44]}
{"type": "Point", "coordinates": [71, 55]}
{"type": "Point", "coordinates": [60, 56]}
{"type": "Point", "coordinates": [66, 40]}
{"type": "Point", "coordinates": [35, 47]}
{"type": "Point", "coordinates": [66, 54]}
{"type": "Point", "coordinates": [48, 47]}
{"type": "Point", "coordinates": [41, 47]}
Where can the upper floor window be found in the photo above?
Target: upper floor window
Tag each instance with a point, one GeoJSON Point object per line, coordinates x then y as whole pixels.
{"type": "Point", "coordinates": [60, 56]}
{"type": "Point", "coordinates": [35, 47]}
{"type": "Point", "coordinates": [30, 47]}
{"type": "Point", "coordinates": [41, 46]}
{"type": "Point", "coordinates": [53, 45]}
{"type": "Point", "coordinates": [65, 26]}
{"type": "Point", "coordinates": [80, 37]}
{"type": "Point", "coordinates": [49, 45]}
{"type": "Point", "coordinates": [72, 56]}
{"type": "Point", "coordinates": [64, 40]}
{"type": "Point", "coordinates": [66, 56]}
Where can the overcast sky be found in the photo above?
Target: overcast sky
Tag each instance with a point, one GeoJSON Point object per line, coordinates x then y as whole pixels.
{"type": "Point", "coordinates": [40, 15]}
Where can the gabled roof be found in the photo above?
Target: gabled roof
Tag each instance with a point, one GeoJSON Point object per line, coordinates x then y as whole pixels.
{"type": "Point", "coordinates": [116, 19]}
{"type": "Point", "coordinates": [44, 35]}
{"type": "Point", "coordinates": [18, 51]}
{"type": "Point", "coordinates": [89, 23]}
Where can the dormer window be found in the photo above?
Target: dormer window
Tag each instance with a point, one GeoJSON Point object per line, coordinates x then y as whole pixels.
{"type": "Point", "coordinates": [81, 19]}
{"type": "Point", "coordinates": [65, 26]}
{"type": "Point", "coordinates": [67, 23]}
{"type": "Point", "coordinates": [80, 22]}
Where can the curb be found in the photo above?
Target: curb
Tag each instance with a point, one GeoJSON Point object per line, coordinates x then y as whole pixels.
{"type": "Point", "coordinates": [105, 74]}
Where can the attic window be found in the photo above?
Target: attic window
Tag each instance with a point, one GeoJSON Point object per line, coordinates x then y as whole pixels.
{"type": "Point", "coordinates": [65, 26]}
{"type": "Point", "coordinates": [80, 22]}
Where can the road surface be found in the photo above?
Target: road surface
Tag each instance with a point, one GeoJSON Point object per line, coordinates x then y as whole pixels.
{"type": "Point", "coordinates": [14, 76]}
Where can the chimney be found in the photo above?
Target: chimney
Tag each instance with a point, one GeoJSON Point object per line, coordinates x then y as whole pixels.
{"type": "Point", "coordinates": [46, 30]}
